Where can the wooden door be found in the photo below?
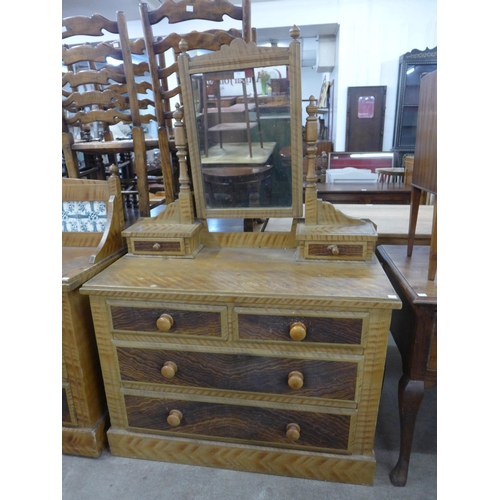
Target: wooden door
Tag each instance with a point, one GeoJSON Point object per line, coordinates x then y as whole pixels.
{"type": "Point", "coordinates": [365, 118]}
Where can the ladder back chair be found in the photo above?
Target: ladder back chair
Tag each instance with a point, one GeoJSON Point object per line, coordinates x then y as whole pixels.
{"type": "Point", "coordinates": [163, 51]}
{"type": "Point", "coordinates": [99, 94]}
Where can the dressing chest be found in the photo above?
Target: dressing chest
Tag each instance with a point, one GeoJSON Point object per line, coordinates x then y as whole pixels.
{"type": "Point", "coordinates": [260, 352]}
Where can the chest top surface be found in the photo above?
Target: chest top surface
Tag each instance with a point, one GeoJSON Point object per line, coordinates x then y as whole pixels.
{"type": "Point", "coordinates": [236, 274]}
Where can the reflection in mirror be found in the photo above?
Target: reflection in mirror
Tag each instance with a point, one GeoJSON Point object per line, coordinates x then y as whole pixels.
{"type": "Point", "coordinates": [243, 121]}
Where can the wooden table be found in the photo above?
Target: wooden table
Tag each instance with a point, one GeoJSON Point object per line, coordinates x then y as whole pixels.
{"type": "Point", "coordinates": [236, 153]}
{"type": "Point", "coordinates": [414, 330]}
{"type": "Point", "coordinates": [364, 192]}
{"type": "Point", "coordinates": [239, 186]}
{"type": "Point", "coordinates": [392, 222]}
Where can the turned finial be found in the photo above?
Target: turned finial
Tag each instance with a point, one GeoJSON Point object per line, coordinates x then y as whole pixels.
{"type": "Point", "coordinates": [114, 170]}
{"type": "Point", "coordinates": [177, 114]}
{"type": "Point", "coordinates": [294, 32]}
{"type": "Point", "coordinates": [183, 45]}
{"type": "Point", "coordinates": [312, 108]}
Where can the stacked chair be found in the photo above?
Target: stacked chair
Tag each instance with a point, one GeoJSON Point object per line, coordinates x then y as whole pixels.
{"type": "Point", "coordinates": [98, 95]}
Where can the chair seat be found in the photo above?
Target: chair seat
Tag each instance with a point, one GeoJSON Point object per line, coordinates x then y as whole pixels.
{"type": "Point", "coordinates": [390, 174]}
{"type": "Point", "coordinates": [105, 147]}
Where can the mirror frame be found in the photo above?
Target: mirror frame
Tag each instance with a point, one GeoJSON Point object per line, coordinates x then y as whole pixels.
{"type": "Point", "coordinates": [239, 56]}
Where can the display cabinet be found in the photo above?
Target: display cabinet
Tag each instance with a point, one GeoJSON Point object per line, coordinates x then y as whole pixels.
{"type": "Point", "coordinates": [254, 351]}
{"type": "Point", "coordinates": [412, 67]}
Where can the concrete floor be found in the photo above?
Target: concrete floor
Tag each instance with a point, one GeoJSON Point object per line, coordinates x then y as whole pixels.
{"type": "Point", "coordinates": [117, 478]}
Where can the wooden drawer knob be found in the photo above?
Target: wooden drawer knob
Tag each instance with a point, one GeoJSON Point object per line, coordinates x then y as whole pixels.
{"type": "Point", "coordinates": [169, 369]}
{"type": "Point", "coordinates": [334, 249]}
{"type": "Point", "coordinates": [295, 380]}
{"type": "Point", "coordinates": [298, 331]}
{"type": "Point", "coordinates": [164, 322]}
{"type": "Point", "coordinates": [174, 418]}
{"type": "Point", "coordinates": [293, 432]}
{"type": "Point", "coordinates": [156, 246]}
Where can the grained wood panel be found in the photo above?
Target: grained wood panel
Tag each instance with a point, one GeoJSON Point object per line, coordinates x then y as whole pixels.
{"type": "Point", "coordinates": [85, 441]}
{"type": "Point", "coordinates": [81, 358]}
{"type": "Point", "coordinates": [353, 469]}
{"type": "Point", "coordinates": [199, 323]}
{"type": "Point", "coordinates": [329, 330]}
{"type": "Point", "coordinates": [238, 372]}
{"type": "Point", "coordinates": [425, 161]}
{"type": "Point", "coordinates": [230, 422]}
{"type": "Point", "coordinates": [272, 277]}
{"type": "Point", "coordinates": [324, 250]}
{"type": "Point", "coordinates": [161, 246]}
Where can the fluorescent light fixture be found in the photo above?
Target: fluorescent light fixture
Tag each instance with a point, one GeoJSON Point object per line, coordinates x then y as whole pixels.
{"type": "Point", "coordinates": [410, 71]}
{"type": "Point", "coordinates": [113, 61]}
{"type": "Point", "coordinates": [371, 155]}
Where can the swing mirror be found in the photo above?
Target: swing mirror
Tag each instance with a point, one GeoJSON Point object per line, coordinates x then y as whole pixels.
{"type": "Point", "coordinates": [242, 112]}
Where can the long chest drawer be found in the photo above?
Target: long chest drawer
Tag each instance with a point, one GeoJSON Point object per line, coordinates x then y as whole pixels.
{"type": "Point", "coordinates": [336, 380]}
{"type": "Point", "coordinates": [240, 423]}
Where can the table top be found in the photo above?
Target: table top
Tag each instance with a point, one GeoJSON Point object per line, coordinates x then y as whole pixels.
{"type": "Point", "coordinates": [333, 187]}
{"type": "Point", "coordinates": [410, 272]}
{"type": "Point", "coordinates": [242, 173]}
{"type": "Point", "coordinates": [392, 221]}
{"type": "Point", "coordinates": [237, 153]}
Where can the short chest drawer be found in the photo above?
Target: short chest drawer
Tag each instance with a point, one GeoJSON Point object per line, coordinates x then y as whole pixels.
{"type": "Point", "coordinates": [240, 423]}
{"type": "Point", "coordinates": [145, 246]}
{"type": "Point", "coordinates": [195, 321]}
{"type": "Point", "coordinates": [334, 380]}
{"type": "Point", "coordinates": [336, 251]}
{"type": "Point", "coordinates": [256, 326]}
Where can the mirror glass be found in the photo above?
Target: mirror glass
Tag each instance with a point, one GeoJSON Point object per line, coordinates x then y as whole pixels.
{"type": "Point", "coordinates": [243, 130]}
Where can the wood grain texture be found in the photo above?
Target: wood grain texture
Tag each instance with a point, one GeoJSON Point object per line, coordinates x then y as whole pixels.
{"type": "Point", "coordinates": [222, 275]}
{"type": "Point", "coordinates": [425, 160]}
{"type": "Point", "coordinates": [88, 442]}
{"type": "Point", "coordinates": [84, 404]}
{"type": "Point", "coordinates": [318, 329]}
{"type": "Point", "coordinates": [186, 322]}
{"type": "Point", "coordinates": [240, 423]}
{"type": "Point", "coordinates": [81, 25]}
{"type": "Point", "coordinates": [232, 390]}
{"type": "Point", "coordinates": [158, 247]}
{"type": "Point", "coordinates": [80, 356]}
{"type": "Point", "coordinates": [240, 372]}
{"type": "Point", "coordinates": [264, 460]}
{"type": "Point", "coordinates": [344, 251]}
{"type": "Point", "coordinates": [373, 374]}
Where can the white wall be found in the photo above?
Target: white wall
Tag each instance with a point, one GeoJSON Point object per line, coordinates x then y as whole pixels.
{"type": "Point", "coordinates": [372, 36]}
